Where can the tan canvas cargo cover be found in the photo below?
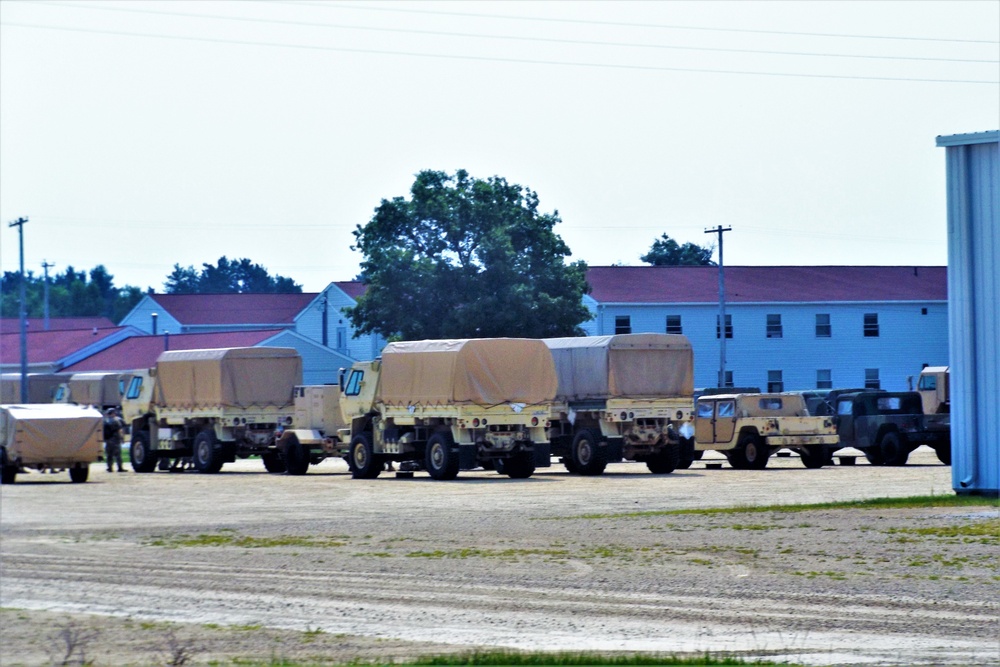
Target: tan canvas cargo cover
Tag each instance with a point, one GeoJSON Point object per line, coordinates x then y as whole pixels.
{"type": "Point", "coordinates": [238, 377]}
{"type": "Point", "coordinates": [646, 365]}
{"type": "Point", "coordinates": [51, 432]}
{"type": "Point", "coordinates": [483, 371]}
{"type": "Point", "coordinates": [95, 389]}
{"type": "Point", "coordinates": [40, 387]}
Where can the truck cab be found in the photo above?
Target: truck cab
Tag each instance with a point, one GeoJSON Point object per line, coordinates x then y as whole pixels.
{"type": "Point", "coordinates": [933, 387]}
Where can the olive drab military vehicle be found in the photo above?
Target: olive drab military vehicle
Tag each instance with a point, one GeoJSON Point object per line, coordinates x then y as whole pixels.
{"type": "Point", "coordinates": [748, 428]}
{"type": "Point", "coordinates": [449, 405]}
{"type": "Point", "coordinates": [888, 426]}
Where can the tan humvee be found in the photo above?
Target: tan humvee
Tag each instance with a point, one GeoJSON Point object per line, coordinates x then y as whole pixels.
{"type": "Point", "coordinates": [313, 434]}
{"type": "Point", "coordinates": [747, 428]}
{"type": "Point", "coordinates": [48, 436]}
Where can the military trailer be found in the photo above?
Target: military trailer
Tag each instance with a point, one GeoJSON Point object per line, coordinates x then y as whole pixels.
{"type": "Point", "coordinates": [624, 396]}
{"type": "Point", "coordinates": [315, 431]}
{"type": "Point", "coordinates": [451, 405]}
{"type": "Point", "coordinates": [888, 426]}
{"type": "Point", "coordinates": [99, 390]}
{"type": "Point", "coordinates": [48, 437]}
{"type": "Point", "coordinates": [210, 406]}
{"type": "Point", "coordinates": [748, 428]}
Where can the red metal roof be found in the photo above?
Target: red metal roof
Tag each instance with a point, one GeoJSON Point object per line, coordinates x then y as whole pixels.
{"type": "Point", "coordinates": [775, 284]}
{"type": "Point", "coordinates": [13, 324]}
{"type": "Point", "coordinates": [191, 309]}
{"type": "Point", "coordinates": [50, 346]}
{"type": "Point", "coordinates": [142, 351]}
{"type": "Point", "coordinates": [352, 288]}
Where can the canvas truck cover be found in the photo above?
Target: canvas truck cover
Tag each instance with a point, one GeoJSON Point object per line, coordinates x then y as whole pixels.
{"type": "Point", "coordinates": [485, 371]}
{"type": "Point", "coordinates": [42, 432]}
{"type": "Point", "coordinates": [646, 365]}
{"type": "Point", "coordinates": [94, 389]}
{"type": "Point", "coordinates": [239, 377]}
{"type": "Point", "coordinates": [40, 387]}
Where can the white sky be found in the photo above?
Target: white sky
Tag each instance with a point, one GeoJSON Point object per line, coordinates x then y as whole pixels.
{"type": "Point", "coordinates": [144, 134]}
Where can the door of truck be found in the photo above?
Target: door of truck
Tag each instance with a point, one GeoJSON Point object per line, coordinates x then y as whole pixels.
{"type": "Point", "coordinates": [704, 429]}
{"type": "Point", "coordinates": [715, 420]}
{"type": "Point", "coordinates": [845, 421]}
{"type": "Point", "coordinates": [725, 420]}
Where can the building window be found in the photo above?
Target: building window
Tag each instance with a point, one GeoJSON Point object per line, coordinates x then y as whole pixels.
{"type": "Point", "coordinates": [774, 382]}
{"type": "Point", "coordinates": [674, 324]}
{"type": "Point", "coordinates": [871, 379]}
{"type": "Point", "coordinates": [728, 381]}
{"type": "Point", "coordinates": [824, 379]}
{"type": "Point", "coordinates": [729, 326]}
{"type": "Point", "coordinates": [871, 325]}
{"type": "Point", "coordinates": [623, 324]}
{"type": "Point", "coordinates": [774, 326]}
{"type": "Point", "coordinates": [342, 339]}
{"type": "Point", "coordinates": [823, 328]}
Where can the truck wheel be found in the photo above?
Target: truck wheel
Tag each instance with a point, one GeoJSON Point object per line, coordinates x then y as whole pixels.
{"type": "Point", "coordinates": [273, 462]}
{"type": "Point", "coordinates": [943, 451]}
{"type": "Point", "coordinates": [894, 451]}
{"type": "Point", "coordinates": [520, 466]}
{"type": "Point", "coordinates": [296, 457]}
{"type": "Point", "coordinates": [143, 458]}
{"type": "Point", "coordinates": [750, 453]}
{"type": "Point", "coordinates": [8, 471]}
{"type": "Point", "coordinates": [874, 456]}
{"type": "Point", "coordinates": [441, 462]}
{"type": "Point", "coordinates": [686, 454]}
{"type": "Point", "coordinates": [207, 459]}
{"type": "Point", "coordinates": [364, 463]}
{"type": "Point", "coordinates": [666, 460]}
{"type": "Point", "coordinates": [78, 473]}
{"type": "Point", "coordinates": [588, 458]}
{"type": "Point", "coordinates": [500, 465]}
{"type": "Point", "coordinates": [814, 457]}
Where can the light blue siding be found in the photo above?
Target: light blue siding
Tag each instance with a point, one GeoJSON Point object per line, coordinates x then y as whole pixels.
{"type": "Point", "coordinates": [141, 317]}
{"type": "Point", "coordinates": [973, 173]}
{"type": "Point", "coordinates": [320, 365]}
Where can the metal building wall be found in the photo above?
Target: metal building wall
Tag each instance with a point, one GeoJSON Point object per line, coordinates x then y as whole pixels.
{"type": "Point", "coordinates": [973, 181]}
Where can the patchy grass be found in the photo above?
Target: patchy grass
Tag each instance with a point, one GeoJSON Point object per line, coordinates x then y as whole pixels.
{"type": "Point", "coordinates": [984, 532]}
{"type": "Point", "coordinates": [227, 538]}
{"type": "Point", "coordinates": [512, 658]}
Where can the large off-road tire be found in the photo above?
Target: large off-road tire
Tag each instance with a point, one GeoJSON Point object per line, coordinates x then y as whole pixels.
{"type": "Point", "coordinates": [687, 454]}
{"type": "Point", "coordinates": [143, 458]}
{"type": "Point", "coordinates": [750, 454]}
{"type": "Point", "coordinates": [78, 474]}
{"type": "Point", "coordinates": [588, 457]}
{"type": "Point", "coordinates": [440, 460]}
{"type": "Point", "coordinates": [500, 465]}
{"type": "Point", "coordinates": [207, 457]}
{"type": "Point", "coordinates": [666, 460]}
{"type": "Point", "coordinates": [520, 466]}
{"type": "Point", "coordinates": [364, 463]}
{"type": "Point", "coordinates": [943, 451]}
{"type": "Point", "coordinates": [273, 462]}
{"type": "Point", "coordinates": [815, 457]}
{"type": "Point", "coordinates": [296, 457]}
{"type": "Point", "coordinates": [8, 471]}
{"type": "Point", "coordinates": [894, 449]}
{"type": "Point", "coordinates": [875, 456]}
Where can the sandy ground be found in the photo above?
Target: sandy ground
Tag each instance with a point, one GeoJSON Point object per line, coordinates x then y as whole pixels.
{"type": "Point", "coordinates": [156, 568]}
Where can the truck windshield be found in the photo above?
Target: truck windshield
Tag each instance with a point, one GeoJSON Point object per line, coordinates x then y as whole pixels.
{"type": "Point", "coordinates": [354, 383]}
{"type": "Point", "coordinates": [927, 382]}
{"type": "Point", "coordinates": [134, 387]}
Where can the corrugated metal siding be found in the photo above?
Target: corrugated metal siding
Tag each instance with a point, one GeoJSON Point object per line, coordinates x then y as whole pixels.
{"type": "Point", "coordinates": [973, 173]}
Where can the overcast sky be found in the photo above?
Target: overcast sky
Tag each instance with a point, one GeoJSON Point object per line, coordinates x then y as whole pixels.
{"type": "Point", "coordinates": [143, 134]}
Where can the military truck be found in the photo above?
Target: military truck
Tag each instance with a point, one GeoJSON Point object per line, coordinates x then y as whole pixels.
{"type": "Point", "coordinates": [888, 426]}
{"type": "Point", "coordinates": [624, 396]}
{"type": "Point", "coordinates": [451, 405]}
{"type": "Point", "coordinates": [748, 428]}
{"type": "Point", "coordinates": [41, 387]}
{"type": "Point", "coordinates": [934, 387]}
{"type": "Point", "coordinates": [48, 437]}
{"type": "Point", "coordinates": [315, 431]}
{"type": "Point", "coordinates": [211, 406]}
{"type": "Point", "coordinates": [98, 390]}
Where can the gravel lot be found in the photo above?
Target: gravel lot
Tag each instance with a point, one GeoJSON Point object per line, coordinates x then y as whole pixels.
{"type": "Point", "coordinates": [141, 569]}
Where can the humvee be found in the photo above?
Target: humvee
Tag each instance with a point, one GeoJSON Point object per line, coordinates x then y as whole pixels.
{"type": "Point", "coordinates": [887, 426]}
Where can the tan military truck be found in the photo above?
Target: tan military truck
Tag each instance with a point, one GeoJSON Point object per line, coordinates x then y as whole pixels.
{"type": "Point", "coordinates": [748, 428]}
{"type": "Point", "coordinates": [624, 396]}
{"type": "Point", "coordinates": [41, 387]}
{"type": "Point", "coordinates": [49, 437]}
{"type": "Point", "coordinates": [211, 406]}
{"type": "Point", "coordinates": [449, 405]}
{"type": "Point", "coordinates": [315, 431]}
{"type": "Point", "coordinates": [933, 385]}
{"type": "Point", "coordinates": [98, 390]}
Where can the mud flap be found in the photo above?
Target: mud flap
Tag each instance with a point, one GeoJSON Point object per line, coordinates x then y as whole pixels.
{"type": "Point", "coordinates": [612, 450]}
{"type": "Point", "coordinates": [467, 457]}
{"type": "Point", "coordinates": [542, 454]}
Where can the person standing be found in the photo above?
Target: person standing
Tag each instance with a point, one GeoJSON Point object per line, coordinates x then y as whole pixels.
{"type": "Point", "coordinates": [113, 426]}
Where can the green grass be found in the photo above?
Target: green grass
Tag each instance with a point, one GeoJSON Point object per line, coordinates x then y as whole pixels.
{"type": "Point", "coordinates": [912, 502]}
{"type": "Point", "coordinates": [984, 532]}
{"type": "Point", "coordinates": [512, 658]}
{"type": "Point", "coordinates": [226, 538]}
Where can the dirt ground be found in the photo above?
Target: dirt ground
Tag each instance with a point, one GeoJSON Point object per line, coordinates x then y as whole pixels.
{"type": "Point", "coordinates": [245, 566]}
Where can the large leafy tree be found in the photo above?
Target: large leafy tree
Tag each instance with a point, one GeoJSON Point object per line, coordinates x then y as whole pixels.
{"type": "Point", "coordinates": [72, 293]}
{"type": "Point", "coordinates": [466, 258]}
{"type": "Point", "coordinates": [667, 252]}
{"type": "Point", "coordinates": [228, 277]}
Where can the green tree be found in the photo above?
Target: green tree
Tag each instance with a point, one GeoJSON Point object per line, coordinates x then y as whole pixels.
{"type": "Point", "coordinates": [466, 258]}
{"type": "Point", "coordinates": [228, 277]}
{"type": "Point", "coordinates": [667, 252]}
{"type": "Point", "coordinates": [71, 294]}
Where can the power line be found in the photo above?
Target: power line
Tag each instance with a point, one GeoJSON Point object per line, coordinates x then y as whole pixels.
{"type": "Point", "coordinates": [519, 61]}
{"type": "Point", "coordinates": [372, 8]}
{"type": "Point", "coordinates": [545, 40]}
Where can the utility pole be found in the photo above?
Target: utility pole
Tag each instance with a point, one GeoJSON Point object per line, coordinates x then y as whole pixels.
{"type": "Point", "coordinates": [19, 223]}
{"type": "Point", "coordinates": [45, 267]}
{"type": "Point", "coordinates": [722, 306]}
